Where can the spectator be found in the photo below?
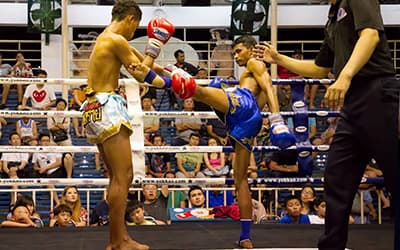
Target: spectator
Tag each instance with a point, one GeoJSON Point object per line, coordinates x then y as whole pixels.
{"type": "Point", "coordinates": [42, 96]}
{"type": "Point", "coordinates": [151, 124]}
{"type": "Point", "coordinates": [196, 197]}
{"type": "Point", "coordinates": [71, 198]}
{"type": "Point", "coordinates": [20, 69]}
{"type": "Point", "coordinates": [156, 205]}
{"type": "Point", "coordinates": [20, 217]}
{"type": "Point", "coordinates": [189, 163]}
{"type": "Point", "coordinates": [320, 209]}
{"type": "Point", "coordinates": [217, 130]}
{"type": "Point", "coordinates": [59, 122]}
{"type": "Point", "coordinates": [136, 215]}
{"type": "Point", "coordinates": [177, 198]}
{"type": "Point", "coordinates": [215, 162]}
{"type": "Point", "coordinates": [327, 135]}
{"type": "Point", "coordinates": [180, 63]}
{"type": "Point", "coordinates": [5, 68]}
{"type": "Point", "coordinates": [369, 209]}
{"type": "Point", "coordinates": [202, 74]}
{"type": "Point", "coordinates": [283, 164]}
{"type": "Point", "coordinates": [372, 171]}
{"type": "Point", "coordinates": [63, 216]}
{"type": "Point", "coordinates": [100, 213]}
{"type": "Point", "coordinates": [221, 60]}
{"type": "Point", "coordinates": [78, 97]}
{"type": "Point", "coordinates": [293, 212]}
{"type": "Point", "coordinates": [200, 106]}
{"type": "Point", "coordinates": [14, 163]}
{"type": "Point", "coordinates": [186, 126]}
{"type": "Point", "coordinates": [220, 198]}
{"type": "Point", "coordinates": [149, 92]}
{"type": "Point", "coordinates": [27, 129]}
{"type": "Point", "coordinates": [307, 197]}
{"type": "Point", "coordinates": [5, 71]}
{"type": "Point", "coordinates": [157, 164]}
{"type": "Point", "coordinates": [3, 122]}
{"type": "Point", "coordinates": [284, 73]}
{"type": "Point", "coordinates": [50, 165]}
{"type": "Point", "coordinates": [25, 200]}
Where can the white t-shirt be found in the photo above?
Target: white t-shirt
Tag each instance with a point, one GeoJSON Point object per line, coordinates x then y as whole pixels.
{"type": "Point", "coordinates": [5, 69]}
{"type": "Point", "coordinates": [15, 157]}
{"type": "Point", "coordinates": [44, 159]}
{"type": "Point", "coordinates": [39, 97]}
{"type": "Point", "coordinates": [315, 219]}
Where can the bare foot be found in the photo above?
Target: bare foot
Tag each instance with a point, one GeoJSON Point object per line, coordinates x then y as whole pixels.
{"type": "Point", "coordinates": [127, 245]}
{"type": "Point", "coordinates": [245, 244]}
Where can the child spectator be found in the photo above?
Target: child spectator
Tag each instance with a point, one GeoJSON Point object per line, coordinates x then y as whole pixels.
{"type": "Point", "coordinates": [63, 216]}
{"type": "Point", "coordinates": [20, 217]}
{"type": "Point", "coordinates": [70, 197]}
{"type": "Point", "coordinates": [320, 208]}
{"type": "Point", "coordinates": [135, 215]}
{"type": "Point", "coordinates": [293, 212]}
{"type": "Point", "coordinates": [25, 200]}
{"type": "Point", "coordinates": [27, 130]}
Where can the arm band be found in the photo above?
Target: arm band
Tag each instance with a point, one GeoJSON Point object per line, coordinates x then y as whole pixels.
{"type": "Point", "coordinates": [150, 76]}
{"type": "Point", "coordinates": [167, 82]}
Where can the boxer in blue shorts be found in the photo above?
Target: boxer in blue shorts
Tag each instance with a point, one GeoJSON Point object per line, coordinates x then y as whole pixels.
{"type": "Point", "coordinates": [240, 109]}
{"type": "Point", "coordinates": [243, 120]}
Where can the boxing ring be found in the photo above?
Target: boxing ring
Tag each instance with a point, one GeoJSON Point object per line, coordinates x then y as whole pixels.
{"type": "Point", "coordinates": [188, 235]}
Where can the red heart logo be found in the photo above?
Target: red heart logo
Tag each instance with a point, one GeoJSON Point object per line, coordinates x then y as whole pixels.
{"type": "Point", "coordinates": [39, 95]}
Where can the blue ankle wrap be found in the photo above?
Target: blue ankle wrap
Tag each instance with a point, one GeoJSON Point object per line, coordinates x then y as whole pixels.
{"type": "Point", "coordinates": [245, 229]}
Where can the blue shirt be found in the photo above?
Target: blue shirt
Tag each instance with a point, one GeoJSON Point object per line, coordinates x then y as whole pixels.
{"type": "Point", "coordinates": [217, 198]}
{"type": "Point", "coordinates": [286, 219]}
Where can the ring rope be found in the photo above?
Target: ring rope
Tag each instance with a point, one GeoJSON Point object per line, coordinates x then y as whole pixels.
{"type": "Point", "coordinates": [174, 181]}
{"type": "Point", "coordinates": [80, 81]}
{"type": "Point", "coordinates": [157, 149]}
{"type": "Point", "coordinates": [158, 114]}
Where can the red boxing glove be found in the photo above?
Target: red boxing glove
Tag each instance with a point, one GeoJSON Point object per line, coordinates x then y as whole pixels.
{"type": "Point", "coordinates": [183, 84]}
{"type": "Point", "coordinates": [159, 31]}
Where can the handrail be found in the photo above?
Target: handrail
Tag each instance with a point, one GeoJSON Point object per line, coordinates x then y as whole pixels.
{"type": "Point", "coordinates": [88, 190]}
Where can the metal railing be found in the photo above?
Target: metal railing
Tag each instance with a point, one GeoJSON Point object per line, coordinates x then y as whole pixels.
{"type": "Point", "coordinates": [87, 191]}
